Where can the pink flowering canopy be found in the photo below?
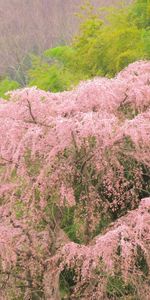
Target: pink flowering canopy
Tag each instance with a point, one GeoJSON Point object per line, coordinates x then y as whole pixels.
{"type": "Point", "coordinates": [75, 188]}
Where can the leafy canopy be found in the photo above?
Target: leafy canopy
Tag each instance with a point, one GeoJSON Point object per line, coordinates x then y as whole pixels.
{"type": "Point", "coordinates": [108, 41]}
{"type": "Point", "coordinates": [7, 85]}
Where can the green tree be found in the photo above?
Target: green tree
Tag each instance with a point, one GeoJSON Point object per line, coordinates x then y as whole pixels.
{"type": "Point", "coordinates": [140, 13]}
{"type": "Point", "coordinates": [107, 47]}
{"type": "Point", "coordinates": [108, 41]}
{"type": "Point", "coordinates": [7, 85]}
{"type": "Point", "coordinates": [55, 70]}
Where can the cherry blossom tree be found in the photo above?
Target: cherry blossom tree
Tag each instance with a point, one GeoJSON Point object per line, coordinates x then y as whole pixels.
{"type": "Point", "coordinates": [72, 163]}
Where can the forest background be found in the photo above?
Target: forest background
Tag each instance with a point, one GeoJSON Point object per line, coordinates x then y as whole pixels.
{"type": "Point", "coordinates": [81, 41]}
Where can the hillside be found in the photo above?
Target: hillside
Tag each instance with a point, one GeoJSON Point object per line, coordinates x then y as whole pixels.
{"type": "Point", "coordinates": [36, 25]}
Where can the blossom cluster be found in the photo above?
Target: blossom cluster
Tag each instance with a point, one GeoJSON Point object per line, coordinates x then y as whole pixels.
{"type": "Point", "coordinates": [121, 252]}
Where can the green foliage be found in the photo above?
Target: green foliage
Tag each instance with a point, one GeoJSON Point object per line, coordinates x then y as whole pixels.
{"type": "Point", "coordinates": [69, 224]}
{"type": "Point", "coordinates": [106, 43]}
{"type": "Point", "coordinates": [19, 209]}
{"type": "Point", "coordinates": [62, 54]}
{"type": "Point", "coordinates": [66, 283]}
{"type": "Point", "coordinates": [103, 223]}
{"type": "Point", "coordinates": [106, 48]}
{"type": "Point", "coordinates": [54, 71]}
{"type": "Point", "coordinates": [52, 210]}
{"type": "Point", "coordinates": [145, 191]}
{"type": "Point", "coordinates": [140, 12]}
{"type": "Point", "coordinates": [146, 42]}
{"type": "Point", "coordinates": [33, 165]}
{"type": "Point", "coordinates": [45, 76]}
{"type": "Point", "coordinates": [87, 46]}
{"type": "Point", "coordinates": [141, 262]}
{"type": "Point", "coordinates": [118, 289]}
{"type": "Point", "coordinates": [7, 85]}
